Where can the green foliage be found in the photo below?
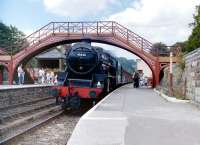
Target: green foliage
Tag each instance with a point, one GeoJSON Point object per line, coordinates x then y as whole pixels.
{"type": "Point", "coordinates": [128, 64]}
{"type": "Point", "coordinates": [5, 35]}
{"type": "Point", "coordinates": [179, 45]}
{"type": "Point", "coordinates": [181, 61]}
{"type": "Point", "coordinates": [194, 39]}
{"type": "Point", "coordinates": [33, 63]}
{"type": "Point", "coordinates": [11, 39]}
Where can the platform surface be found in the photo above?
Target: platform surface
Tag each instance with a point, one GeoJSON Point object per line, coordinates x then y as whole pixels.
{"type": "Point", "coordinates": [131, 116]}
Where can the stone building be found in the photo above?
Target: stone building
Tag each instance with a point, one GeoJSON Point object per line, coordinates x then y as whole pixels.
{"type": "Point", "coordinates": [142, 67]}
{"type": "Point", "coordinates": [144, 71]}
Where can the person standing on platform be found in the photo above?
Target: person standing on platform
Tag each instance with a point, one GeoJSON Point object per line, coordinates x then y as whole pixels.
{"type": "Point", "coordinates": [136, 80]}
{"type": "Point", "coordinates": [52, 77]}
{"type": "Point", "coordinates": [20, 74]}
{"type": "Point", "coordinates": [23, 75]}
{"type": "Point", "coordinates": [133, 79]}
{"type": "Point", "coordinates": [40, 76]}
{"type": "Point", "coordinates": [56, 79]}
{"type": "Point", "coordinates": [47, 78]}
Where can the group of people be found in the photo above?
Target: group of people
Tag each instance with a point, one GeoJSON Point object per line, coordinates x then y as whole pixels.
{"type": "Point", "coordinates": [47, 77]}
{"type": "Point", "coordinates": [139, 80]}
{"type": "Point", "coordinates": [43, 77]}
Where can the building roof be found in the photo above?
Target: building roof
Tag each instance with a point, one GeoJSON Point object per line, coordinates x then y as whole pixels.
{"type": "Point", "coordinates": [52, 54]}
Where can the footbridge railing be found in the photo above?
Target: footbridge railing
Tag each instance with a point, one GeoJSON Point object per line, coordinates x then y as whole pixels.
{"type": "Point", "coordinates": [98, 28]}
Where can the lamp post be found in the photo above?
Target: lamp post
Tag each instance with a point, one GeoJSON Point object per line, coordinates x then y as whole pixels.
{"type": "Point", "coordinates": [170, 74]}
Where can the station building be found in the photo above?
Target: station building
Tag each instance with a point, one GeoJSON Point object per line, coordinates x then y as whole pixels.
{"type": "Point", "coordinates": [52, 59]}
{"type": "Point", "coordinates": [144, 71]}
{"type": "Point", "coordinates": [142, 67]}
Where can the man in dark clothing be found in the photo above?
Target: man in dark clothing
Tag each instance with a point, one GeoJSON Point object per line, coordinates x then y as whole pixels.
{"type": "Point", "coordinates": [136, 79]}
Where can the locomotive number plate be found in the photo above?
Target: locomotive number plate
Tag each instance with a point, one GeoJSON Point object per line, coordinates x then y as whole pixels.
{"type": "Point", "coordinates": [81, 54]}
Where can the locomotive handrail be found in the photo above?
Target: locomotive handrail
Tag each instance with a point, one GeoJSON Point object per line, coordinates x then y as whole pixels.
{"type": "Point", "coordinates": [80, 79]}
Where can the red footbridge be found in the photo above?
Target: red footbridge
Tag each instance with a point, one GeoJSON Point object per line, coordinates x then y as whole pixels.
{"type": "Point", "coordinates": [107, 32]}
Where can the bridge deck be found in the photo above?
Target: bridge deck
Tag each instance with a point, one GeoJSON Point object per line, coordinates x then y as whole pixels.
{"type": "Point", "coordinates": [138, 117]}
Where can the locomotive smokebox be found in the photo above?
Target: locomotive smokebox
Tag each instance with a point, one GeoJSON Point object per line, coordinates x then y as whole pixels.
{"type": "Point", "coordinates": [82, 58]}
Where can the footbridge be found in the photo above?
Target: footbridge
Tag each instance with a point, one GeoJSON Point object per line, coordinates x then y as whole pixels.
{"type": "Point", "coordinates": [107, 32]}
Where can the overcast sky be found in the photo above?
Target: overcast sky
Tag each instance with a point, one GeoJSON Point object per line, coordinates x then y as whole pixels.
{"type": "Point", "coordinates": [156, 20]}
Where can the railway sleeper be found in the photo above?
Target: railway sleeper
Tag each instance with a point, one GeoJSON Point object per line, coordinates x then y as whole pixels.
{"type": "Point", "coordinates": [21, 111]}
{"type": "Point", "coordinates": [19, 126]}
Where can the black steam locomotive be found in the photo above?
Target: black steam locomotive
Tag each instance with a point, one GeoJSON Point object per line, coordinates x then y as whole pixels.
{"type": "Point", "coordinates": [90, 72]}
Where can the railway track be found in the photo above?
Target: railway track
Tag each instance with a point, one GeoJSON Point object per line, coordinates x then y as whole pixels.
{"type": "Point", "coordinates": [29, 123]}
{"type": "Point", "coordinates": [17, 119]}
{"type": "Point", "coordinates": [41, 122]}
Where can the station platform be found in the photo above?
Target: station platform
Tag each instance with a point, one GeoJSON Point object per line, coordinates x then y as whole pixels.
{"type": "Point", "coordinates": [130, 116]}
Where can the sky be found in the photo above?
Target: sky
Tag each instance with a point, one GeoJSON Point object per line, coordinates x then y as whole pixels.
{"type": "Point", "coordinates": [156, 20]}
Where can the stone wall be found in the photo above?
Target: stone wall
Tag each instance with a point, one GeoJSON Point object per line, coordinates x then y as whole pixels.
{"type": "Point", "coordinates": [186, 83]}
{"type": "Point", "coordinates": [178, 82]}
{"type": "Point", "coordinates": [16, 96]}
{"type": "Point", "coordinates": [192, 75]}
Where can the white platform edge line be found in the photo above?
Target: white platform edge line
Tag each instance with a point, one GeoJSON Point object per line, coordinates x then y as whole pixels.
{"type": "Point", "coordinates": [106, 118]}
{"type": "Point", "coordinates": [7, 87]}
{"type": "Point", "coordinates": [86, 115]}
{"type": "Point", "coordinates": [170, 99]}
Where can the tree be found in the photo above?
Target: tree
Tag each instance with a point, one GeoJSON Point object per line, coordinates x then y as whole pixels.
{"type": "Point", "coordinates": [4, 35]}
{"type": "Point", "coordinates": [194, 39]}
{"type": "Point", "coordinates": [179, 47]}
{"type": "Point", "coordinates": [128, 64]}
{"type": "Point", "coordinates": [159, 48]}
{"type": "Point", "coordinates": [11, 39]}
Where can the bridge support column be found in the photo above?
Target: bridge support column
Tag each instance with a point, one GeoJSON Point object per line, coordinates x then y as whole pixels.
{"type": "Point", "coordinates": [157, 74]}
{"type": "Point", "coordinates": [10, 78]}
{"type": "Point", "coordinates": [157, 81]}
{"type": "Point", "coordinates": [10, 73]}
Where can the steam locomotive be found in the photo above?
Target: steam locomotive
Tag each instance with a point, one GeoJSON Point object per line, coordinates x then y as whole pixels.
{"type": "Point", "coordinates": [90, 73]}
